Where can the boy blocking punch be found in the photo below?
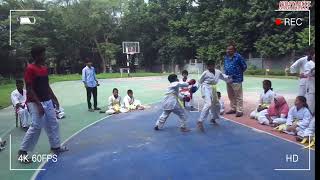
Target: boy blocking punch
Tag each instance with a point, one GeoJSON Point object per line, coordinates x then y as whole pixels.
{"type": "Point", "coordinates": [171, 103]}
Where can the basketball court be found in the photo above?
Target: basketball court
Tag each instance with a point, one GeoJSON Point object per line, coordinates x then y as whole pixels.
{"type": "Point", "coordinates": [125, 146]}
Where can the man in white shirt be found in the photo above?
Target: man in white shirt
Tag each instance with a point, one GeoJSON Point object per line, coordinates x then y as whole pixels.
{"type": "Point", "coordinates": [18, 99]}
{"type": "Point", "coordinates": [90, 82]}
{"type": "Point", "coordinates": [300, 64]}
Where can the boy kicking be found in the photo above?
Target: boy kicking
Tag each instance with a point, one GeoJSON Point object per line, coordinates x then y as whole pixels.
{"type": "Point", "coordinates": [171, 103]}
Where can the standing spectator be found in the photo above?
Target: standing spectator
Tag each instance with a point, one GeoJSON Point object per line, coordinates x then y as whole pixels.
{"type": "Point", "coordinates": [90, 83]}
{"type": "Point", "coordinates": [300, 64]}
{"type": "Point", "coordinates": [40, 100]}
{"type": "Point", "coordinates": [310, 83]}
{"type": "Point", "coordinates": [234, 66]}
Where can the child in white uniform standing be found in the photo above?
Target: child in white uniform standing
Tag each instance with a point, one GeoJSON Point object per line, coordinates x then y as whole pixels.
{"type": "Point", "coordinates": [207, 82]}
{"type": "Point", "coordinates": [266, 98]}
{"type": "Point", "coordinates": [310, 84]}
{"type": "Point", "coordinates": [171, 103]}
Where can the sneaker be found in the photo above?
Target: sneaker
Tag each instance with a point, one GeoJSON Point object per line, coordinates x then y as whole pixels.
{"type": "Point", "coordinates": [97, 109]}
{"type": "Point", "coordinates": [239, 114]}
{"type": "Point", "coordinates": [156, 128]}
{"type": "Point", "coordinates": [90, 110]}
{"type": "Point", "coordinates": [59, 150]}
{"type": "Point", "coordinates": [200, 126]}
{"type": "Point", "coordinates": [184, 129]}
{"type": "Point", "coordinates": [231, 112]}
{"type": "Point", "coordinates": [23, 157]}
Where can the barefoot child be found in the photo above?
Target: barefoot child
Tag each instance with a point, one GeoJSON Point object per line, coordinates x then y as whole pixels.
{"type": "Point", "coordinates": [208, 80]}
{"type": "Point", "coordinates": [130, 103]}
{"type": "Point", "coordinates": [266, 98]}
{"type": "Point", "coordinates": [171, 103]}
{"type": "Point", "coordinates": [276, 114]}
{"type": "Point", "coordinates": [114, 103]}
{"type": "Point", "coordinates": [299, 116]}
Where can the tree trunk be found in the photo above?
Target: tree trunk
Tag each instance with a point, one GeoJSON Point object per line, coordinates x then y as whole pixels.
{"type": "Point", "coordinates": [103, 61]}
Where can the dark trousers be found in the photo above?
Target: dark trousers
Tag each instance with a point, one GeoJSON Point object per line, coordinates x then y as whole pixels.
{"type": "Point", "coordinates": [93, 91]}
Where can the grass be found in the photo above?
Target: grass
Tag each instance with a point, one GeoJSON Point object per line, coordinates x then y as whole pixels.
{"type": "Point", "coordinates": [6, 87]}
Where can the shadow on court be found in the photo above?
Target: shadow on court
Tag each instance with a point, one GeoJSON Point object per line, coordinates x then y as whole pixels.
{"type": "Point", "coordinates": [125, 146]}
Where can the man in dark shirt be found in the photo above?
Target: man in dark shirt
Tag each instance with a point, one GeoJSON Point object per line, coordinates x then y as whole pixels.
{"type": "Point", "coordinates": [40, 102]}
{"type": "Point", "coordinates": [234, 66]}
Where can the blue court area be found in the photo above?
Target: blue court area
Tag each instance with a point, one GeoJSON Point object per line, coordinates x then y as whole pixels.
{"type": "Point", "coordinates": [125, 146]}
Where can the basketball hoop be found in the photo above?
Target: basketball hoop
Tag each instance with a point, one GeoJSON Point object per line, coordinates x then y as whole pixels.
{"type": "Point", "coordinates": [130, 48]}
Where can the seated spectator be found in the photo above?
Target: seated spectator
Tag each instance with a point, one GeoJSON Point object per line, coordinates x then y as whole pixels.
{"type": "Point", "coordinates": [266, 98]}
{"type": "Point", "coordinates": [130, 103]}
{"type": "Point", "coordinates": [276, 114]}
{"type": "Point", "coordinates": [299, 117]}
{"type": "Point", "coordinates": [18, 99]}
{"type": "Point", "coordinates": [114, 106]}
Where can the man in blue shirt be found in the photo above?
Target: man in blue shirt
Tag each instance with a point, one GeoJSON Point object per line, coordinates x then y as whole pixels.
{"type": "Point", "coordinates": [90, 82]}
{"type": "Point", "coordinates": [234, 66]}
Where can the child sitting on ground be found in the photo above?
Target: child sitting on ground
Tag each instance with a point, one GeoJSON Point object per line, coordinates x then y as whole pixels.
{"type": "Point", "coordinates": [266, 98]}
{"type": "Point", "coordinates": [276, 114]}
{"type": "Point", "coordinates": [171, 103]}
{"type": "Point", "coordinates": [221, 103]}
{"type": "Point", "coordinates": [130, 103]}
{"type": "Point", "coordinates": [303, 136]}
{"type": "Point", "coordinates": [114, 103]}
{"type": "Point", "coordinates": [299, 116]}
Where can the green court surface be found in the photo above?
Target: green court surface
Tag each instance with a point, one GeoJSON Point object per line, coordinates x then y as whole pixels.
{"type": "Point", "coordinates": [72, 97]}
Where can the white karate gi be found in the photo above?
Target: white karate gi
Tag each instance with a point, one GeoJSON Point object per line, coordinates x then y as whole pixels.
{"type": "Point", "coordinates": [112, 103]}
{"type": "Point", "coordinates": [300, 64]}
{"type": "Point", "coordinates": [310, 85]}
{"type": "Point", "coordinates": [265, 98]}
{"type": "Point", "coordinates": [23, 113]}
{"type": "Point", "coordinates": [309, 131]}
{"type": "Point", "coordinates": [303, 116]}
{"type": "Point", "coordinates": [262, 119]}
{"type": "Point", "coordinates": [170, 103]}
{"type": "Point", "coordinates": [128, 102]}
{"type": "Point", "coordinates": [211, 101]}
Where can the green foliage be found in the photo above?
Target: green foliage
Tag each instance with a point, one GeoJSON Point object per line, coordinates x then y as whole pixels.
{"type": "Point", "coordinates": [169, 31]}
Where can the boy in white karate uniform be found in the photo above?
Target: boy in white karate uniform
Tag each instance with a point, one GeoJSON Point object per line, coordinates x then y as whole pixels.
{"type": "Point", "coordinates": [208, 80]}
{"type": "Point", "coordinates": [266, 98]}
{"type": "Point", "coordinates": [114, 102]}
{"type": "Point", "coordinates": [171, 103]}
{"type": "Point", "coordinates": [130, 103]}
{"type": "Point", "coordinates": [18, 99]}
{"type": "Point", "coordinates": [299, 116]}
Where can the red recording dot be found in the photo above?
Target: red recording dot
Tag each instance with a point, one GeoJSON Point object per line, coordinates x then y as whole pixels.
{"type": "Point", "coordinates": [278, 21]}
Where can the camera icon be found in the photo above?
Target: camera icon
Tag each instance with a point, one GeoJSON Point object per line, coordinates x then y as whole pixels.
{"type": "Point", "coordinates": [26, 20]}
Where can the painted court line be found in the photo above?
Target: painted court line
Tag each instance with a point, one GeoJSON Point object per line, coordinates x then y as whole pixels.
{"type": "Point", "coordinates": [79, 131]}
{"type": "Point", "coordinates": [12, 169]}
{"type": "Point", "coordinates": [261, 131]}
